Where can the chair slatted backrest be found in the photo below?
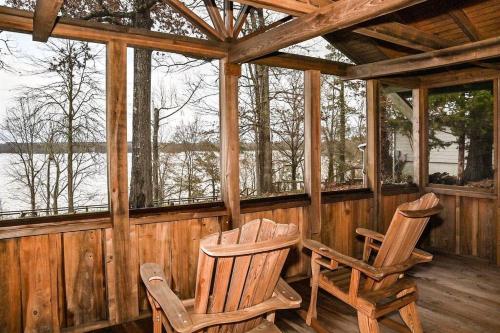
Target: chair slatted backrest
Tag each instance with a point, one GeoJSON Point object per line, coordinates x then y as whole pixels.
{"type": "Point", "coordinates": [402, 236]}
{"type": "Point", "coordinates": [231, 283]}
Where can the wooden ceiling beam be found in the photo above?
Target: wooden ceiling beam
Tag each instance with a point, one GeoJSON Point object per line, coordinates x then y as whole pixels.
{"type": "Point", "coordinates": [194, 19]}
{"type": "Point", "coordinates": [240, 20]}
{"type": "Point", "coordinates": [339, 15]}
{"type": "Point", "coordinates": [404, 35]}
{"type": "Point", "coordinates": [45, 16]}
{"type": "Point", "coordinates": [214, 13]}
{"type": "Point", "coordinates": [467, 53]}
{"type": "Point", "coordinates": [22, 21]}
{"type": "Point", "coordinates": [303, 63]}
{"type": "Point", "coordinates": [290, 7]}
{"type": "Point", "coordinates": [465, 24]}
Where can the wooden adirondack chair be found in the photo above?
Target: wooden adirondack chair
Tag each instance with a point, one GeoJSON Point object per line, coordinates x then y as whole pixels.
{"type": "Point", "coordinates": [380, 288]}
{"type": "Point", "coordinates": [238, 283]}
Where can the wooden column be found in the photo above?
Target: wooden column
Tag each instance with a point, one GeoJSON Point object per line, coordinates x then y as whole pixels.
{"type": "Point", "coordinates": [230, 139]}
{"type": "Point", "coordinates": [496, 112]}
{"type": "Point", "coordinates": [373, 149]}
{"type": "Point", "coordinates": [420, 136]}
{"type": "Point", "coordinates": [124, 304]}
{"type": "Point", "coordinates": [312, 149]}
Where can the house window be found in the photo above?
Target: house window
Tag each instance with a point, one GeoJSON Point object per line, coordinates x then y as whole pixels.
{"type": "Point", "coordinates": [461, 136]}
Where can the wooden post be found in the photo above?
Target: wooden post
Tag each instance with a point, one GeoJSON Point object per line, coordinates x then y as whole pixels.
{"type": "Point", "coordinates": [496, 113]}
{"type": "Point", "coordinates": [230, 139]}
{"type": "Point", "coordinates": [312, 149]}
{"type": "Point", "coordinates": [420, 136]}
{"type": "Point", "coordinates": [125, 285]}
{"type": "Point", "coordinates": [373, 148]}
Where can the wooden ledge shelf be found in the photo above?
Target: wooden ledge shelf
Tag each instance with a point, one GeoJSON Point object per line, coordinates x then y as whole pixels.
{"type": "Point", "coordinates": [346, 195]}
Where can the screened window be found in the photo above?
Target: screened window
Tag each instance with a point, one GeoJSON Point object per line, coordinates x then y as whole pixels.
{"type": "Point", "coordinates": [343, 133]}
{"type": "Point", "coordinates": [461, 136]}
{"type": "Point", "coordinates": [271, 131]}
{"type": "Point", "coordinates": [396, 141]}
{"type": "Point", "coordinates": [173, 130]}
{"type": "Point", "coordinates": [52, 127]}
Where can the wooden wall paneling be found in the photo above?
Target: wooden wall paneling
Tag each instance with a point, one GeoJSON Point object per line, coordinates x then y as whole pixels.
{"type": "Point", "coordinates": [38, 272]}
{"type": "Point", "coordinates": [10, 287]}
{"type": "Point", "coordinates": [468, 215]}
{"type": "Point", "coordinates": [361, 217]}
{"type": "Point", "coordinates": [312, 149]}
{"type": "Point", "coordinates": [442, 228]}
{"type": "Point", "coordinates": [84, 277]}
{"type": "Point", "coordinates": [125, 276]}
{"type": "Point", "coordinates": [57, 278]}
{"type": "Point", "coordinates": [373, 146]}
{"type": "Point", "coordinates": [496, 111]}
{"type": "Point", "coordinates": [486, 229]}
{"type": "Point", "coordinates": [230, 138]}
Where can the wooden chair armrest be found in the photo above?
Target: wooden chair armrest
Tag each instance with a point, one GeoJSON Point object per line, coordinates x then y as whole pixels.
{"type": "Point", "coordinates": [156, 284]}
{"type": "Point", "coordinates": [284, 298]}
{"type": "Point", "coordinates": [370, 234]}
{"type": "Point", "coordinates": [233, 250]}
{"type": "Point", "coordinates": [331, 254]}
{"type": "Point", "coordinates": [403, 267]}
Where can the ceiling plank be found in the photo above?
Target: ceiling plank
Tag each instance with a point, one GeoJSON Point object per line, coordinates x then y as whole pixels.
{"type": "Point", "coordinates": [467, 53]}
{"type": "Point", "coordinates": [194, 19]}
{"type": "Point", "coordinates": [44, 18]}
{"type": "Point", "coordinates": [465, 24]}
{"type": "Point", "coordinates": [339, 15]}
{"type": "Point", "coordinates": [404, 35]}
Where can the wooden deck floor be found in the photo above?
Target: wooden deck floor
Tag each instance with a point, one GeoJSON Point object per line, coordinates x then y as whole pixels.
{"type": "Point", "coordinates": [457, 295]}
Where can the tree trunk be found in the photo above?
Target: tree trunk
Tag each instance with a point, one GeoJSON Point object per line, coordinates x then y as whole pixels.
{"type": "Point", "coordinates": [141, 185]}
{"type": "Point", "coordinates": [480, 156]}
{"type": "Point", "coordinates": [342, 135]}
{"type": "Point", "coordinates": [264, 136]}
{"type": "Point", "coordinates": [156, 155]}
{"type": "Point", "coordinates": [461, 160]}
{"type": "Point", "coordinates": [385, 143]}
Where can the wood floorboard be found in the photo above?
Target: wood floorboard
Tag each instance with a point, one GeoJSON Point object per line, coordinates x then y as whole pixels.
{"type": "Point", "coordinates": [457, 295]}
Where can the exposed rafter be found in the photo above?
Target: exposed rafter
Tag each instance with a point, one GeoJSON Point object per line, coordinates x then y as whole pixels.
{"type": "Point", "coordinates": [216, 18]}
{"type": "Point", "coordinates": [194, 19]}
{"type": "Point", "coordinates": [404, 35]}
{"type": "Point", "coordinates": [291, 7]}
{"type": "Point", "coordinates": [465, 24]}
{"type": "Point", "coordinates": [240, 20]}
{"type": "Point", "coordinates": [44, 18]}
{"type": "Point", "coordinates": [467, 53]}
{"type": "Point", "coordinates": [338, 15]}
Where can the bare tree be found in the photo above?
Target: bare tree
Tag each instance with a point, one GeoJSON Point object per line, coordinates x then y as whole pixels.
{"type": "Point", "coordinates": [22, 131]}
{"type": "Point", "coordinates": [74, 99]}
{"type": "Point", "coordinates": [288, 121]}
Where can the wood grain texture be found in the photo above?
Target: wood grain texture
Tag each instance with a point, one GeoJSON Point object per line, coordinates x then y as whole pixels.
{"type": "Point", "coordinates": [126, 281]}
{"type": "Point", "coordinates": [44, 18]}
{"type": "Point", "coordinates": [10, 286]}
{"type": "Point", "coordinates": [338, 15]}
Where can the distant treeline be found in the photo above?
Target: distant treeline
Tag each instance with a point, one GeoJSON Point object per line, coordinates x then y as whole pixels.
{"type": "Point", "coordinates": [100, 147]}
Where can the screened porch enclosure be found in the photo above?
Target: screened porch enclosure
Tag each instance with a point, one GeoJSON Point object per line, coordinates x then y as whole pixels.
{"type": "Point", "coordinates": [204, 116]}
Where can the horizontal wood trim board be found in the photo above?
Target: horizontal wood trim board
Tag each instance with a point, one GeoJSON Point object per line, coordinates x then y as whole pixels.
{"type": "Point", "coordinates": [395, 190]}
{"type": "Point", "coordinates": [341, 196]}
{"type": "Point", "coordinates": [460, 193]}
{"type": "Point", "coordinates": [53, 228]}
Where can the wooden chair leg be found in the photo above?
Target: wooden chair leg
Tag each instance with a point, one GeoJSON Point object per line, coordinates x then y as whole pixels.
{"type": "Point", "coordinates": [312, 313]}
{"type": "Point", "coordinates": [157, 324]}
{"type": "Point", "coordinates": [410, 317]}
{"type": "Point", "coordinates": [367, 324]}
